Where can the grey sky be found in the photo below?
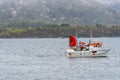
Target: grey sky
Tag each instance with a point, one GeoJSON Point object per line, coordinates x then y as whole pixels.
{"type": "Point", "coordinates": [108, 1]}
{"type": "Point", "coordinates": [101, 1]}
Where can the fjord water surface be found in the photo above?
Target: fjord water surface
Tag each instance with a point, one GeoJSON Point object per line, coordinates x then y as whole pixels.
{"type": "Point", "coordinates": [45, 59]}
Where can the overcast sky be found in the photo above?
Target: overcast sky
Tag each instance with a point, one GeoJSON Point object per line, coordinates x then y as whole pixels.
{"type": "Point", "coordinates": [101, 1]}
{"type": "Point", "coordinates": [108, 1]}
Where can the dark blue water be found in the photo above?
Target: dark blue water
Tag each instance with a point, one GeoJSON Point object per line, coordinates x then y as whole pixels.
{"type": "Point", "coordinates": [44, 59]}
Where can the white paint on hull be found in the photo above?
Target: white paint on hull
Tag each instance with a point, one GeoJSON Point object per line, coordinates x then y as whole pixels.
{"type": "Point", "coordinates": [97, 53]}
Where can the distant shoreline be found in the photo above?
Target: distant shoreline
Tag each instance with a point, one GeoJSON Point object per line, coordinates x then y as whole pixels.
{"type": "Point", "coordinates": [62, 31]}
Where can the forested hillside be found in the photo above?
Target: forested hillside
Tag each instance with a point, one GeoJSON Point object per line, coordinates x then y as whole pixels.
{"type": "Point", "coordinates": [62, 31]}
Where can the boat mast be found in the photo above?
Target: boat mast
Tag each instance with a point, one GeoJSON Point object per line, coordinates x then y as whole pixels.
{"type": "Point", "coordinates": [76, 33]}
{"type": "Point", "coordinates": [91, 33]}
{"type": "Point", "coordinates": [76, 38]}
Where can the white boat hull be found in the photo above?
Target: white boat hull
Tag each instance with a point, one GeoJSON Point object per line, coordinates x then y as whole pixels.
{"type": "Point", "coordinates": [93, 53]}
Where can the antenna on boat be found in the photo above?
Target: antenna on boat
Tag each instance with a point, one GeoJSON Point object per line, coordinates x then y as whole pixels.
{"type": "Point", "coordinates": [76, 37]}
{"type": "Point", "coordinates": [91, 33]}
{"type": "Point", "coordinates": [76, 33]}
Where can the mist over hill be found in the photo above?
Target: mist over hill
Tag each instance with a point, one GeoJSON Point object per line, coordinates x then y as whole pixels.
{"type": "Point", "coordinates": [61, 11]}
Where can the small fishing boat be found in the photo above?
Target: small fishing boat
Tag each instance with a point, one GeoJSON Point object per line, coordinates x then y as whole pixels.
{"type": "Point", "coordinates": [81, 49]}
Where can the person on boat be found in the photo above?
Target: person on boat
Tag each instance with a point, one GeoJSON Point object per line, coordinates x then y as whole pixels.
{"type": "Point", "coordinates": [82, 46]}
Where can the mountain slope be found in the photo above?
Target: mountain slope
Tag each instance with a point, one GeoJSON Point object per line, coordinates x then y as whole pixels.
{"type": "Point", "coordinates": [60, 11]}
